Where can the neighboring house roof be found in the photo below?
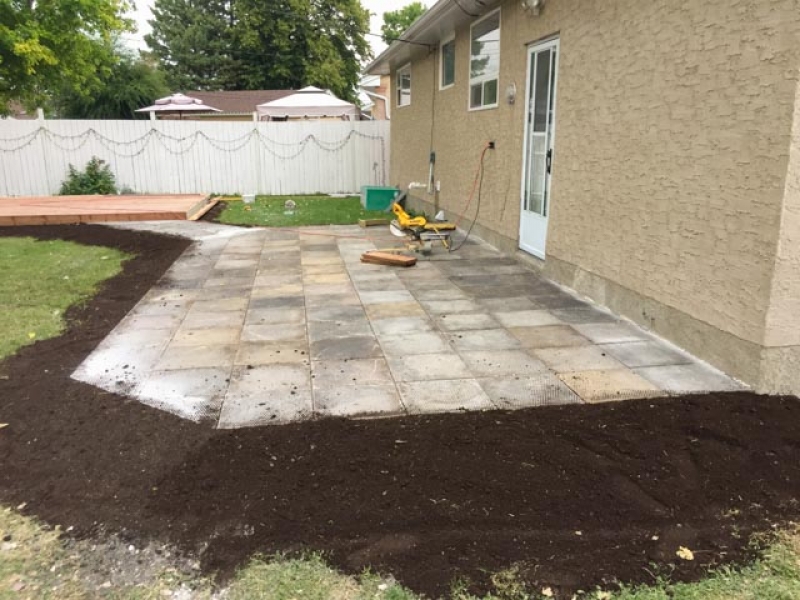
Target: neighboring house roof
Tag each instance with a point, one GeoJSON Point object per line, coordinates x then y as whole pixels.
{"type": "Point", "coordinates": [370, 81]}
{"type": "Point", "coordinates": [438, 21]}
{"type": "Point", "coordinates": [16, 111]}
{"type": "Point", "coordinates": [239, 102]}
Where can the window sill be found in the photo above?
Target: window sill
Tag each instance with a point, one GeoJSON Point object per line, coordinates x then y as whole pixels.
{"type": "Point", "coordinates": [480, 108]}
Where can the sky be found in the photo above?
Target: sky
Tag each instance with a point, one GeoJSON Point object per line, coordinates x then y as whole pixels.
{"type": "Point", "coordinates": [375, 7]}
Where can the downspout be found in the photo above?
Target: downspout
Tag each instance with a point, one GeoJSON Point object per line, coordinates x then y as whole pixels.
{"type": "Point", "coordinates": [386, 103]}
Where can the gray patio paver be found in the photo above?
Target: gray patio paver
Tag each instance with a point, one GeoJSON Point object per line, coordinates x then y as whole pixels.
{"type": "Point", "coordinates": [386, 297]}
{"type": "Point", "coordinates": [691, 378]}
{"type": "Point", "coordinates": [196, 357]}
{"type": "Point", "coordinates": [427, 367]}
{"type": "Point", "coordinates": [210, 336]}
{"type": "Point", "coordinates": [523, 392]}
{"type": "Point", "coordinates": [222, 304]}
{"type": "Point", "coordinates": [578, 358]}
{"type": "Point", "coordinates": [527, 318]}
{"type": "Point", "coordinates": [350, 347]}
{"type": "Point", "coordinates": [553, 336]}
{"type": "Point", "coordinates": [326, 330]}
{"type": "Point", "coordinates": [444, 396]}
{"type": "Point", "coordinates": [611, 333]}
{"type": "Point", "coordinates": [256, 326]}
{"type": "Point", "coordinates": [281, 332]}
{"type": "Point", "coordinates": [358, 400]}
{"type": "Point", "coordinates": [401, 325]}
{"type": "Point", "coordinates": [270, 353]}
{"type": "Point", "coordinates": [646, 354]}
{"type": "Point", "coordinates": [268, 407]}
{"type": "Point", "coordinates": [466, 322]}
{"type": "Point", "coordinates": [484, 339]}
{"type": "Point", "coordinates": [394, 309]}
{"type": "Point", "coordinates": [426, 342]}
{"type": "Point", "coordinates": [350, 372]}
{"type": "Point", "coordinates": [265, 316]}
{"type": "Point", "coordinates": [333, 312]}
{"type": "Point", "coordinates": [605, 386]}
{"type": "Point", "coordinates": [507, 363]}
{"type": "Point", "coordinates": [194, 394]}
{"type": "Point", "coordinates": [204, 319]}
{"type": "Point", "coordinates": [446, 307]}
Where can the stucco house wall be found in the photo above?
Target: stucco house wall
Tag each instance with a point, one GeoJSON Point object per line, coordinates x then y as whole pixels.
{"type": "Point", "coordinates": [676, 175]}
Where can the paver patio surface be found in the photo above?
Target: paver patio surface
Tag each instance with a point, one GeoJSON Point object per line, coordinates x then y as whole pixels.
{"type": "Point", "coordinates": [256, 326]}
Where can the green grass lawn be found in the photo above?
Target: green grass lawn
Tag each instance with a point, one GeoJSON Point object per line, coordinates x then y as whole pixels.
{"type": "Point", "coordinates": [40, 280]}
{"type": "Point", "coordinates": [269, 211]}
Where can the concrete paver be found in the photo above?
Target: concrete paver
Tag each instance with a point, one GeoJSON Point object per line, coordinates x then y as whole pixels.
{"type": "Point", "coordinates": [575, 359]}
{"type": "Point", "coordinates": [553, 336]}
{"type": "Point", "coordinates": [358, 400]}
{"type": "Point", "coordinates": [522, 392]}
{"type": "Point", "coordinates": [444, 396]}
{"type": "Point", "coordinates": [646, 354]}
{"type": "Point", "coordinates": [610, 333]}
{"type": "Point", "coordinates": [253, 327]}
{"type": "Point", "coordinates": [427, 367]}
{"type": "Point", "coordinates": [604, 386]}
{"type": "Point", "coordinates": [695, 377]}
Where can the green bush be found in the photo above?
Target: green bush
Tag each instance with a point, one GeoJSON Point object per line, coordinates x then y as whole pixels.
{"type": "Point", "coordinates": [96, 178]}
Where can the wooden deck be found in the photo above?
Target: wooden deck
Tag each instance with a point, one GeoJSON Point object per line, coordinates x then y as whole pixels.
{"type": "Point", "coordinates": [61, 210]}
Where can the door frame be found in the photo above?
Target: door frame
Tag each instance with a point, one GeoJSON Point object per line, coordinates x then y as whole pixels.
{"type": "Point", "coordinates": [531, 49]}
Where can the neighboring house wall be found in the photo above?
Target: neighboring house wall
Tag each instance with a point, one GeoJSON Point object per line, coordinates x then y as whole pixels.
{"type": "Point", "coordinates": [377, 93]}
{"type": "Point", "coordinates": [670, 192]}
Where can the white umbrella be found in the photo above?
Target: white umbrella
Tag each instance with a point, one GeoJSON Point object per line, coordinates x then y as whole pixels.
{"type": "Point", "coordinates": [309, 102]}
{"type": "Point", "coordinates": [178, 104]}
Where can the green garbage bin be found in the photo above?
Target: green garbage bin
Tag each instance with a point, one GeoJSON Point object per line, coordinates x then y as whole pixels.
{"type": "Point", "coordinates": [375, 197]}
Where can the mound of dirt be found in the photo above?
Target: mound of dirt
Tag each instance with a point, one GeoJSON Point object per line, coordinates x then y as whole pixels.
{"type": "Point", "coordinates": [576, 496]}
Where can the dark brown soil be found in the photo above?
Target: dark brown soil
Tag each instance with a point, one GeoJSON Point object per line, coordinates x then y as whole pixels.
{"type": "Point", "coordinates": [212, 216]}
{"type": "Point", "coordinates": [578, 496]}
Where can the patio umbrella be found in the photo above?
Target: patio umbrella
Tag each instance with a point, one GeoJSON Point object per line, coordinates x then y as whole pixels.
{"type": "Point", "coordinates": [178, 104]}
{"type": "Point", "coordinates": [310, 102]}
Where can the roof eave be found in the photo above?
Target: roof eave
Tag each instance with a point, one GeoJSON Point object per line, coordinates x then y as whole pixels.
{"type": "Point", "coordinates": [443, 17]}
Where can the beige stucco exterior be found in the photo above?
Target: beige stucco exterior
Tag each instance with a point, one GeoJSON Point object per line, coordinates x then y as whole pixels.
{"type": "Point", "coordinates": [676, 177]}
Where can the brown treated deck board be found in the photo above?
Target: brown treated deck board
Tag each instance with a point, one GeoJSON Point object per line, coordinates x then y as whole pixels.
{"type": "Point", "coordinates": [62, 210]}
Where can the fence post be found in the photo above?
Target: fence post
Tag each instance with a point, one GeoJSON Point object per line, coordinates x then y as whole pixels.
{"type": "Point", "coordinates": [42, 141]}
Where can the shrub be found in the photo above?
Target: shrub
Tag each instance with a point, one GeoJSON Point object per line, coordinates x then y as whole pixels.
{"type": "Point", "coordinates": [96, 178]}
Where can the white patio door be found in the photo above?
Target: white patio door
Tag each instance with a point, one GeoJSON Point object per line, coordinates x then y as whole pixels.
{"type": "Point", "coordinates": [540, 115]}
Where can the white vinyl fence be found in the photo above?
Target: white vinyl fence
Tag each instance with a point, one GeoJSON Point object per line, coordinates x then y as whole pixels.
{"type": "Point", "coordinates": [161, 157]}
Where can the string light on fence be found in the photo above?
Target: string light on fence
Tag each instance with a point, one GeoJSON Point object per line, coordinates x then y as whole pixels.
{"type": "Point", "coordinates": [137, 146]}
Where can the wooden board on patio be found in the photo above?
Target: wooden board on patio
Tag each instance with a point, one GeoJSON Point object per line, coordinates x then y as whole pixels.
{"type": "Point", "coordinates": [60, 210]}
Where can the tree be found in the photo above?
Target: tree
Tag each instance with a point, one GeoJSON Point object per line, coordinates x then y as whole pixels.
{"type": "Point", "coordinates": [293, 43]}
{"type": "Point", "coordinates": [193, 42]}
{"type": "Point", "coordinates": [131, 84]}
{"type": "Point", "coordinates": [50, 45]}
{"type": "Point", "coordinates": [395, 22]}
{"type": "Point", "coordinates": [252, 44]}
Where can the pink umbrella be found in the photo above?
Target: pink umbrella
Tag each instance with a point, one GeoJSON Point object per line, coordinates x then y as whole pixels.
{"type": "Point", "coordinates": [178, 104]}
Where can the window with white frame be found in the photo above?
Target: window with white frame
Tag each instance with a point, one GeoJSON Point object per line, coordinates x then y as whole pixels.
{"type": "Point", "coordinates": [447, 63]}
{"type": "Point", "coordinates": [484, 61]}
{"type": "Point", "coordinates": [404, 86]}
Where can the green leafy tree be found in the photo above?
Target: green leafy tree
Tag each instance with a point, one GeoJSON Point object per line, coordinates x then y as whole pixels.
{"type": "Point", "coordinates": [51, 45]}
{"type": "Point", "coordinates": [193, 42]}
{"type": "Point", "coordinates": [292, 43]}
{"type": "Point", "coordinates": [395, 22]}
{"type": "Point", "coordinates": [131, 84]}
{"type": "Point", "coordinates": [252, 44]}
